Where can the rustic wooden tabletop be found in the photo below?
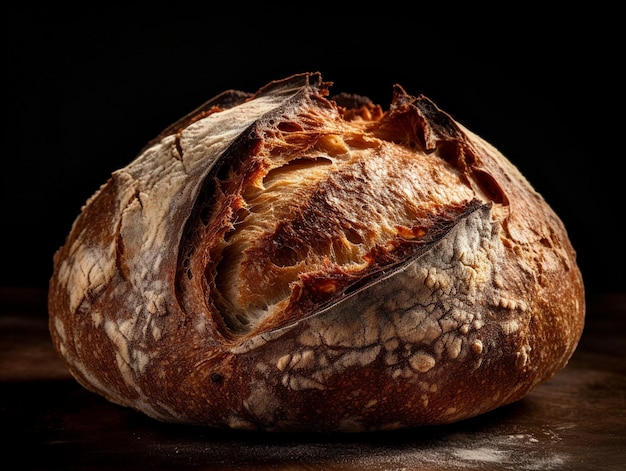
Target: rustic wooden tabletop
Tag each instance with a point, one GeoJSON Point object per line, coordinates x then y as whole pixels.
{"type": "Point", "coordinates": [575, 421]}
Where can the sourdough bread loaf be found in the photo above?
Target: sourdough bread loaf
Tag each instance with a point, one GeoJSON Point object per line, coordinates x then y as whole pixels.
{"type": "Point", "coordinates": [287, 261]}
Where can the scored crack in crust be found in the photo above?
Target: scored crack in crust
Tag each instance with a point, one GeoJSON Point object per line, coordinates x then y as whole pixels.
{"type": "Point", "coordinates": [287, 261]}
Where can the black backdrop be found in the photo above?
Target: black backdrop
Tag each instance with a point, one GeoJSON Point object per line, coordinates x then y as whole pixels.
{"type": "Point", "coordinates": [86, 88]}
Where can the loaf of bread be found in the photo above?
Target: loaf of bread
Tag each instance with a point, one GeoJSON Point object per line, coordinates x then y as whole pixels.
{"type": "Point", "coordinates": [289, 260]}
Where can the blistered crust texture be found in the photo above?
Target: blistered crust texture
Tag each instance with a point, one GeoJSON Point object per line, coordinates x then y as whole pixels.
{"type": "Point", "coordinates": [288, 261]}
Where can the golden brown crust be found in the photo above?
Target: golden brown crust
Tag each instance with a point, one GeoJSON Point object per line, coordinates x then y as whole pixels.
{"type": "Point", "coordinates": [285, 261]}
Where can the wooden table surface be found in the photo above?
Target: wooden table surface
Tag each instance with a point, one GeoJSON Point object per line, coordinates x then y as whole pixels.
{"type": "Point", "coordinates": [574, 421]}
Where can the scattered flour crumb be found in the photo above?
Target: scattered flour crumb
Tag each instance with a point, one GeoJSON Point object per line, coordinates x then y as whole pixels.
{"type": "Point", "coordinates": [481, 454]}
{"type": "Point", "coordinates": [518, 452]}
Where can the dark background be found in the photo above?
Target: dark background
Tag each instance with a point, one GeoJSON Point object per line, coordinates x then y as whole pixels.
{"type": "Point", "coordinates": [86, 88]}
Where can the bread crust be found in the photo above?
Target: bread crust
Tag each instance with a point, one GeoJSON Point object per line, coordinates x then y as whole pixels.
{"type": "Point", "coordinates": [284, 261]}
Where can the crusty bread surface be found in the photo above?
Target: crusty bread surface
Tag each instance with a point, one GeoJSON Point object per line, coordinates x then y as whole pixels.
{"type": "Point", "coordinates": [289, 261]}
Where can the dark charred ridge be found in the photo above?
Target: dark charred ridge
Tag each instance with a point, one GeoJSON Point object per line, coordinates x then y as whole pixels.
{"type": "Point", "coordinates": [441, 126]}
{"type": "Point", "coordinates": [417, 122]}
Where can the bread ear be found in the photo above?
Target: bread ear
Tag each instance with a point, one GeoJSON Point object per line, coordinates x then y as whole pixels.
{"type": "Point", "coordinates": [285, 261]}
